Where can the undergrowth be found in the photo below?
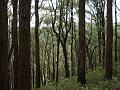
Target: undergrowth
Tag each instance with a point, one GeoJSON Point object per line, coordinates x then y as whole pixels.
{"type": "Point", "coordinates": [95, 81]}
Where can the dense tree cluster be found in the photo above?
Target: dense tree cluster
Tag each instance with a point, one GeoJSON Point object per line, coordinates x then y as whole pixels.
{"type": "Point", "coordinates": [44, 41]}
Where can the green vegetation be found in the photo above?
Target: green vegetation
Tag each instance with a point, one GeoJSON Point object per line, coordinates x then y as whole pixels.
{"type": "Point", "coordinates": [59, 45]}
{"type": "Point", "coordinates": [95, 81]}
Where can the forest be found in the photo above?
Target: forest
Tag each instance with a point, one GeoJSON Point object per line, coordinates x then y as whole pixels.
{"type": "Point", "coordinates": [59, 45]}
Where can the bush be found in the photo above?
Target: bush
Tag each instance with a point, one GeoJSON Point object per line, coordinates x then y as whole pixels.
{"type": "Point", "coordinates": [94, 77]}
{"type": "Point", "coordinates": [95, 81]}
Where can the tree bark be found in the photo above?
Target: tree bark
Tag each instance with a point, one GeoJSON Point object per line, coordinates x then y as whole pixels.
{"type": "Point", "coordinates": [66, 66]}
{"type": "Point", "coordinates": [3, 45]}
{"type": "Point", "coordinates": [37, 57]}
{"type": "Point", "coordinates": [115, 32]}
{"type": "Point", "coordinates": [102, 22]}
{"type": "Point", "coordinates": [24, 45]}
{"type": "Point", "coordinates": [72, 37]}
{"type": "Point", "coordinates": [109, 42]}
{"type": "Point", "coordinates": [53, 74]}
{"type": "Point", "coordinates": [57, 62]}
{"type": "Point", "coordinates": [81, 51]}
{"type": "Point", "coordinates": [15, 44]}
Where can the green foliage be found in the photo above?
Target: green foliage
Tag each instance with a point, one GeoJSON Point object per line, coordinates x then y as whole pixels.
{"type": "Point", "coordinates": [95, 76]}
{"type": "Point", "coordinates": [71, 84]}
{"type": "Point", "coordinates": [116, 70]}
{"type": "Point", "coordinates": [95, 81]}
{"type": "Point", "coordinates": [68, 84]}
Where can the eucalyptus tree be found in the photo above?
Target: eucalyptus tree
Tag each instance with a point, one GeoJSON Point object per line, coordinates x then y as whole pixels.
{"type": "Point", "coordinates": [72, 37]}
{"type": "Point", "coordinates": [115, 43]}
{"type": "Point", "coordinates": [109, 41]}
{"type": "Point", "coordinates": [15, 43]}
{"type": "Point", "coordinates": [63, 29]}
{"type": "Point", "coordinates": [24, 45]}
{"type": "Point", "coordinates": [37, 56]}
{"type": "Point", "coordinates": [3, 45]}
{"type": "Point", "coordinates": [81, 47]}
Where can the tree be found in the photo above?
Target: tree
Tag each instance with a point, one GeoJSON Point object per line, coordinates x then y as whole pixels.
{"type": "Point", "coordinates": [115, 32]}
{"type": "Point", "coordinates": [24, 45]}
{"type": "Point", "coordinates": [37, 57]}
{"type": "Point", "coordinates": [81, 47]}
{"type": "Point", "coordinates": [99, 30]}
{"type": "Point", "coordinates": [3, 45]}
{"type": "Point", "coordinates": [15, 44]}
{"type": "Point", "coordinates": [109, 41]}
{"type": "Point", "coordinates": [63, 29]}
{"type": "Point", "coordinates": [72, 32]}
{"type": "Point", "coordinates": [103, 30]}
{"type": "Point", "coordinates": [53, 61]}
{"type": "Point", "coordinates": [57, 61]}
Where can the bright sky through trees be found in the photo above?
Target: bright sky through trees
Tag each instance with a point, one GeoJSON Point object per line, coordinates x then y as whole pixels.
{"type": "Point", "coordinates": [45, 3]}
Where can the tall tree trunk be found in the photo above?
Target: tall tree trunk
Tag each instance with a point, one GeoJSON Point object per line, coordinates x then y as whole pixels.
{"type": "Point", "coordinates": [81, 51]}
{"type": "Point", "coordinates": [44, 67]}
{"type": "Point", "coordinates": [37, 57]}
{"type": "Point", "coordinates": [72, 27]}
{"type": "Point", "coordinates": [99, 31]}
{"type": "Point", "coordinates": [109, 42]}
{"type": "Point", "coordinates": [53, 74]}
{"type": "Point", "coordinates": [57, 62]}
{"type": "Point", "coordinates": [24, 45]}
{"type": "Point", "coordinates": [66, 66]}
{"type": "Point", "coordinates": [3, 45]}
{"type": "Point", "coordinates": [103, 53]}
{"type": "Point", "coordinates": [33, 68]}
{"type": "Point", "coordinates": [58, 43]}
{"type": "Point", "coordinates": [99, 44]}
{"type": "Point", "coordinates": [103, 38]}
{"type": "Point", "coordinates": [102, 24]}
{"type": "Point", "coordinates": [15, 44]}
{"type": "Point", "coordinates": [115, 32]}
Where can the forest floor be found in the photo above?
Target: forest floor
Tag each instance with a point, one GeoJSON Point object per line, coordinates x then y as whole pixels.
{"type": "Point", "coordinates": [95, 81]}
